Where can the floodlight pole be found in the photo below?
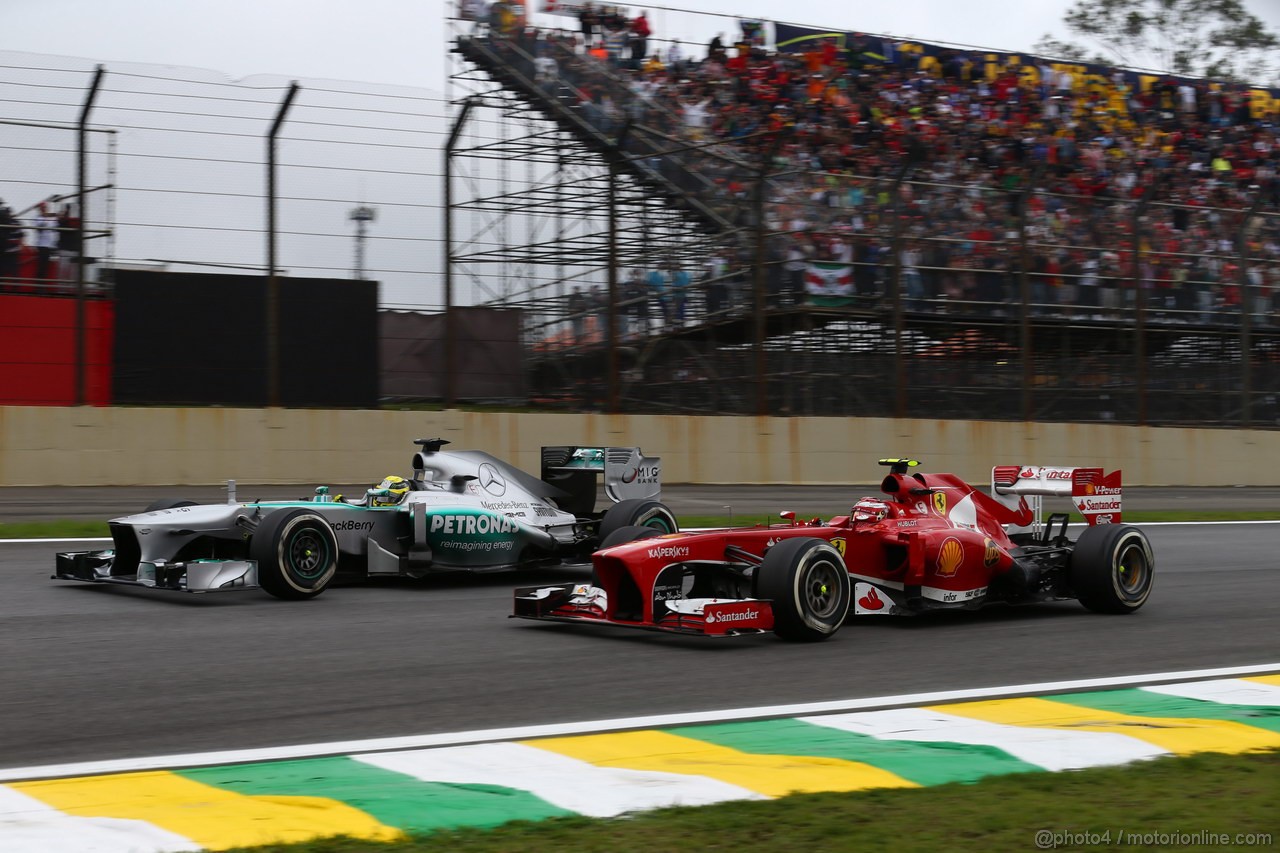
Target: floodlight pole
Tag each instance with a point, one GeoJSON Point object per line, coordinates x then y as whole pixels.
{"type": "Point", "coordinates": [361, 216]}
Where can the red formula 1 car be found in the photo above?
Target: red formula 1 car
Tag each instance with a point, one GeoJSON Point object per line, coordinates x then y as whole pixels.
{"type": "Point", "coordinates": [932, 542]}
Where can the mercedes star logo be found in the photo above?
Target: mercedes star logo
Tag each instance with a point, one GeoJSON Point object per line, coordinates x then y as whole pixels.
{"type": "Point", "coordinates": [491, 481]}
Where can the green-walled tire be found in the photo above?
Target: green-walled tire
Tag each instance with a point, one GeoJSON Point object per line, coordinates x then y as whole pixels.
{"type": "Point", "coordinates": [297, 554]}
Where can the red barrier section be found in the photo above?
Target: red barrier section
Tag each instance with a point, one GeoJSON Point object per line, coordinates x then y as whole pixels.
{"type": "Point", "coordinates": [38, 350]}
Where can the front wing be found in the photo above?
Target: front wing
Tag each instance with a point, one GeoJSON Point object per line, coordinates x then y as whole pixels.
{"type": "Point", "coordinates": [196, 576]}
{"type": "Point", "coordinates": [700, 617]}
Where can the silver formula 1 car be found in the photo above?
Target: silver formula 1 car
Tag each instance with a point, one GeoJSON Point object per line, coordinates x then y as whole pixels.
{"type": "Point", "coordinates": [459, 510]}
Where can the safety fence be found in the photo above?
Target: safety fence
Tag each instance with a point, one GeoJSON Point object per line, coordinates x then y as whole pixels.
{"type": "Point", "coordinates": [649, 269]}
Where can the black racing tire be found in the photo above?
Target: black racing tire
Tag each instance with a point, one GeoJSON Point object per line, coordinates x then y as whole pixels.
{"type": "Point", "coordinates": [638, 513]}
{"type": "Point", "coordinates": [167, 503]}
{"type": "Point", "coordinates": [630, 533]}
{"type": "Point", "coordinates": [1112, 568]}
{"type": "Point", "coordinates": [297, 554]}
{"type": "Point", "coordinates": [809, 586]}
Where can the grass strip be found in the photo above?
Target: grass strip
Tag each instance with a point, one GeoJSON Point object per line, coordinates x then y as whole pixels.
{"type": "Point", "coordinates": [65, 529]}
{"type": "Point", "coordinates": [1155, 805]}
{"type": "Point", "coordinates": [73, 529]}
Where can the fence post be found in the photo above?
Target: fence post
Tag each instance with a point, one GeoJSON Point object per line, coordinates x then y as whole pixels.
{"type": "Point", "coordinates": [82, 168]}
{"type": "Point", "coordinates": [1140, 302]}
{"type": "Point", "coordinates": [901, 394]}
{"type": "Point", "coordinates": [450, 334]}
{"type": "Point", "coordinates": [273, 285]}
{"type": "Point", "coordinates": [612, 389]}
{"type": "Point", "coordinates": [759, 274]}
{"type": "Point", "coordinates": [615, 157]}
{"type": "Point", "coordinates": [1024, 284]}
{"type": "Point", "coordinates": [1246, 316]}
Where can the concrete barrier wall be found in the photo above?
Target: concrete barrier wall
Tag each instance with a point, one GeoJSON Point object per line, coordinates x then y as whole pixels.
{"type": "Point", "coordinates": [42, 446]}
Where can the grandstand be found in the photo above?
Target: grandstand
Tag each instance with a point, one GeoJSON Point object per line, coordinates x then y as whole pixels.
{"type": "Point", "coordinates": [914, 231]}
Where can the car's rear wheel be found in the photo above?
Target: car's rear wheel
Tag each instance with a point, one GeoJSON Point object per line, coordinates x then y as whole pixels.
{"type": "Point", "coordinates": [167, 503]}
{"type": "Point", "coordinates": [1112, 568]}
{"type": "Point", "coordinates": [808, 584]}
{"type": "Point", "coordinates": [638, 513]}
{"type": "Point", "coordinates": [297, 554]}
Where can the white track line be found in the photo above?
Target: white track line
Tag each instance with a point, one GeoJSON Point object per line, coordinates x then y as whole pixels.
{"type": "Point", "coordinates": [162, 762]}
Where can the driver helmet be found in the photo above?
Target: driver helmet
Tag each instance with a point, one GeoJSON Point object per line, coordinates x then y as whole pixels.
{"type": "Point", "coordinates": [390, 492]}
{"type": "Point", "coordinates": [869, 511]}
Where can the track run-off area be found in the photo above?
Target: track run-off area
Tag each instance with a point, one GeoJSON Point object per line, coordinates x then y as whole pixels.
{"type": "Point", "coordinates": [400, 692]}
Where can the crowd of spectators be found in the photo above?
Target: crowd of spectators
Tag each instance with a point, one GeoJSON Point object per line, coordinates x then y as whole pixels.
{"type": "Point", "coordinates": [38, 249]}
{"type": "Point", "coordinates": [1088, 168]}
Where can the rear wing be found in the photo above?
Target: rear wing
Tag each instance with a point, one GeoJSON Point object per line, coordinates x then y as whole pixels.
{"type": "Point", "coordinates": [628, 473]}
{"type": "Point", "coordinates": [1095, 494]}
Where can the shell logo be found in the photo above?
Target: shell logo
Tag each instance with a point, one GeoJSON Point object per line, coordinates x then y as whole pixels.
{"type": "Point", "coordinates": [950, 555]}
{"type": "Point", "coordinates": [1089, 489]}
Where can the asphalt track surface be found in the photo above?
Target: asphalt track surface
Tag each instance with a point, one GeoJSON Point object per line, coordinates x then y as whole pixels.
{"type": "Point", "coordinates": [95, 673]}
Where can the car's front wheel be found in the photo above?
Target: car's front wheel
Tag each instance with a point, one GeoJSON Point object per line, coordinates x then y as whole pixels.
{"type": "Point", "coordinates": [621, 536]}
{"type": "Point", "coordinates": [808, 584]}
{"type": "Point", "coordinates": [167, 503]}
{"type": "Point", "coordinates": [297, 554]}
{"type": "Point", "coordinates": [630, 533]}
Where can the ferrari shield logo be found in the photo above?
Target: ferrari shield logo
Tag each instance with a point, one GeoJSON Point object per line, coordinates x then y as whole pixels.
{"type": "Point", "coordinates": [940, 503]}
{"type": "Point", "coordinates": [839, 545]}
